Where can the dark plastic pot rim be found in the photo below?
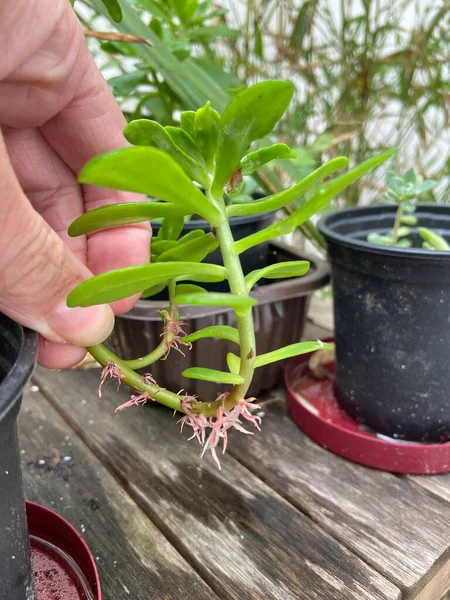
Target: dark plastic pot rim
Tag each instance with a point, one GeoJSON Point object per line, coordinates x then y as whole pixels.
{"type": "Point", "coordinates": [327, 223]}
{"type": "Point", "coordinates": [11, 387]}
{"type": "Point", "coordinates": [317, 277]}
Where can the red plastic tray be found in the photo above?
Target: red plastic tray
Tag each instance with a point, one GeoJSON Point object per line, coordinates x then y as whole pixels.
{"type": "Point", "coordinates": [65, 565]}
{"type": "Point", "coordinates": [313, 407]}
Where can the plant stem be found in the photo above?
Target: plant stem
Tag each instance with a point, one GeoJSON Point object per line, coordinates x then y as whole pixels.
{"type": "Point", "coordinates": [398, 218]}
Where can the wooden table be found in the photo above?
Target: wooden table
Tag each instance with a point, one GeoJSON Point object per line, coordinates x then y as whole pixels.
{"type": "Point", "coordinates": [284, 519]}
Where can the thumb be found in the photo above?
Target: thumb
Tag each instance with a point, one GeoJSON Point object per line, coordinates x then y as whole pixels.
{"type": "Point", "coordinates": [37, 271]}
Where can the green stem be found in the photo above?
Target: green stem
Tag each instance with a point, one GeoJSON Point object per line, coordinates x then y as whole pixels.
{"type": "Point", "coordinates": [148, 359]}
{"type": "Point", "coordinates": [244, 317]}
{"type": "Point", "coordinates": [397, 222]}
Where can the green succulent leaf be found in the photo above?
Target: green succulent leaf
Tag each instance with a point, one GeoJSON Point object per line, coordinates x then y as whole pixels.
{"type": "Point", "coordinates": [188, 288]}
{"type": "Point", "coordinates": [212, 375]}
{"type": "Point", "coordinates": [410, 177]}
{"type": "Point", "coordinates": [403, 231]}
{"type": "Point", "coordinates": [238, 303]}
{"type": "Point", "coordinates": [171, 228]}
{"type": "Point", "coordinates": [123, 283]}
{"type": "Point", "coordinates": [293, 193]}
{"type": "Point", "coordinates": [404, 243]}
{"type": "Point", "coordinates": [278, 271]}
{"type": "Point", "coordinates": [115, 215]}
{"type": "Point", "coordinates": [155, 289]}
{"type": "Point", "coordinates": [254, 160]}
{"type": "Point", "coordinates": [206, 132]}
{"type": "Point", "coordinates": [290, 351]}
{"type": "Point", "coordinates": [159, 246]}
{"type": "Point", "coordinates": [224, 332]}
{"type": "Point", "coordinates": [379, 239]}
{"type": "Point", "coordinates": [149, 171]}
{"type": "Point", "coordinates": [425, 187]}
{"type": "Point", "coordinates": [144, 132]}
{"type": "Point", "coordinates": [433, 239]}
{"type": "Point", "coordinates": [251, 115]}
{"type": "Point", "coordinates": [194, 250]}
{"type": "Point", "coordinates": [184, 141]}
{"type": "Point", "coordinates": [410, 220]}
{"type": "Point", "coordinates": [192, 235]}
{"type": "Point", "coordinates": [187, 122]}
{"type": "Point", "coordinates": [234, 363]}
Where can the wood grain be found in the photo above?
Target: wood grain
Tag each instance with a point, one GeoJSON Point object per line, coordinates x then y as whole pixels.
{"type": "Point", "coordinates": [245, 540]}
{"type": "Point", "coordinates": [399, 529]}
{"type": "Point", "coordinates": [136, 562]}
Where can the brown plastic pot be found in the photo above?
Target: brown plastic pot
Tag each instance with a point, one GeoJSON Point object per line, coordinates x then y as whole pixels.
{"type": "Point", "coordinates": [279, 318]}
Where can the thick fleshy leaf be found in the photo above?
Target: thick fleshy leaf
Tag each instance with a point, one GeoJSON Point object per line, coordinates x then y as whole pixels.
{"type": "Point", "coordinates": [314, 205]}
{"type": "Point", "coordinates": [152, 291]}
{"type": "Point", "coordinates": [115, 215]}
{"type": "Point", "coordinates": [195, 250]}
{"type": "Point", "coordinates": [149, 171]}
{"type": "Point", "coordinates": [410, 220]}
{"type": "Point", "coordinates": [192, 235]}
{"type": "Point", "coordinates": [233, 362]}
{"type": "Point", "coordinates": [254, 160]}
{"type": "Point", "coordinates": [184, 141]}
{"type": "Point", "coordinates": [187, 122]}
{"type": "Point", "coordinates": [212, 375]}
{"type": "Point", "coordinates": [217, 299]}
{"type": "Point", "coordinates": [144, 132]}
{"type": "Point", "coordinates": [433, 239]}
{"type": "Point", "coordinates": [171, 228]}
{"type": "Point", "coordinates": [159, 246]}
{"type": "Point", "coordinates": [281, 270]}
{"type": "Point", "coordinates": [293, 193]}
{"type": "Point", "coordinates": [206, 132]}
{"type": "Point", "coordinates": [122, 283]}
{"type": "Point", "coordinates": [289, 351]}
{"type": "Point", "coordinates": [251, 115]}
{"type": "Point", "coordinates": [223, 332]}
{"type": "Point", "coordinates": [188, 288]}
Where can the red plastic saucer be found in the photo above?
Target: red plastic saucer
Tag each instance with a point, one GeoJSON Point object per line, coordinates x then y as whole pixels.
{"type": "Point", "coordinates": [63, 563]}
{"type": "Point", "coordinates": [313, 407]}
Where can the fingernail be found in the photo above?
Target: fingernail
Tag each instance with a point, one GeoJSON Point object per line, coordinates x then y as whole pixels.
{"type": "Point", "coordinates": [82, 326]}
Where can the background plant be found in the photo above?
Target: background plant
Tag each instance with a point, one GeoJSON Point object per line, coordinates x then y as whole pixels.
{"type": "Point", "coordinates": [170, 163]}
{"type": "Point", "coordinates": [406, 191]}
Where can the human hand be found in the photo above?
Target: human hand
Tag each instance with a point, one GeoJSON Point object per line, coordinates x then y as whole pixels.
{"type": "Point", "coordinates": [56, 112]}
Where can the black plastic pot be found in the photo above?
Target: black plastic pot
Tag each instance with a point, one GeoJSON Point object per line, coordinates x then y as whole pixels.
{"type": "Point", "coordinates": [279, 316]}
{"type": "Point", "coordinates": [17, 359]}
{"type": "Point", "coordinates": [392, 324]}
{"type": "Point", "coordinates": [241, 227]}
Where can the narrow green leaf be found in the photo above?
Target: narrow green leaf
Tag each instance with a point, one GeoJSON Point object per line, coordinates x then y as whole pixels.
{"type": "Point", "coordinates": [114, 9]}
{"type": "Point", "coordinates": [281, 270]}
{"type": "Point", "coordinates": [206, 132]}
{"type": "Point", "coordinates": [185, 9]}
{"type": "Point", "coordinates": [217, 299]}
{"type": "Point", "coordinates": [115, 215]}
{"type": "Point", "coordinates": [144, 132]}
{"type": "Point", "coordinates": [188, 288]}
{"type": "Point", "coordinates": [156, 289]}
{"type": "Point", "coordinates": [187, 122]}
{"type": "Point", "coordinates": [224, 332]}
{"type": "Point", "coordinates": [254, 160]}
{"type": "Point", "coordinates": [194, 250]}
{"type": "Point", "coordinates": [212, 375]}
{"type": "Point", "coordinates": [251, 115]}
{"type": "Point", "coordinates": [160, 246]}
{"type": "Point", "coordinates": [123, 283]}
{"type": "Point", "coordinates": [289, 351]}
{"type": "Point", "coordinates": [192, 235]}
{"type": "Point", "coordinates": [234, 363]}
{"type": "Point", "coordinates": [293, 193]}
{"type": "Point", "coordinates": [149, 171]}
{"type": "Point", "coordinates": [433, 239]}
{"type": "Point", "coordinates": [126, 84]}
{"type": "Point", "coordinates": [184, 141]}
{"type": "Point", "coordinates": [259, 48]}
{"type": "Point", "coordinates": [171, 228]}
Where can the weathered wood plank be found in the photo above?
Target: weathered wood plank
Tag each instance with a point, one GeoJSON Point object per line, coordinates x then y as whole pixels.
{"type": "Point", "coordinates": [134, 558]}
{"type": "Point", "coordinates": [392, 524]}
{"type": "Point", "coordinates": [439, 485]}
{"type": "Point", "coordinates": [245, 540]}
